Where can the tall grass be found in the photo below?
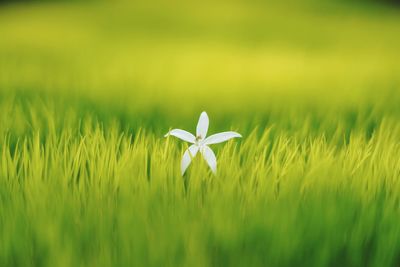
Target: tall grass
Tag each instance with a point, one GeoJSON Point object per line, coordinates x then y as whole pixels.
{"type": "Point", "coordinates": [77, 190]}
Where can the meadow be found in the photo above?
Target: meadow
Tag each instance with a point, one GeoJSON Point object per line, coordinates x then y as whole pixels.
{"type": "Point", "coordinates": [88, 90]}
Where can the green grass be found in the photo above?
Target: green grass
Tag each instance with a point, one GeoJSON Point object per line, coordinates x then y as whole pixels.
{"type": "Point", "coordinates": [87, 92]}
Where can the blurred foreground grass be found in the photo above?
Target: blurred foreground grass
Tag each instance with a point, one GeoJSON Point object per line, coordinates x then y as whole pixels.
{"type": "Point", "coordinates": [88, 90]}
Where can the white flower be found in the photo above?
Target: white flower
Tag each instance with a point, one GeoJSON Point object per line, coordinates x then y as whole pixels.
{"type": "Point", "coordinates": [200, 143]}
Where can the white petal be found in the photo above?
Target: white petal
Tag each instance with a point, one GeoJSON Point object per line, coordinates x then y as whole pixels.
{"type": "Point", "coordinates": [220, 137]}
{"type": "Point", "coordinates": [202, 125]}
{"type": "Point", "coordinates": [187, 157]}
{"type": "Point", "coordinates": [182, 134]}
{"type": "Point", "coordinates": [210, 158]}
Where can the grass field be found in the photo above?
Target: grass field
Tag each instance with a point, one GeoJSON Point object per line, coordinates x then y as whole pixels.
{"type": "Point", "coordinates": [87, 92]}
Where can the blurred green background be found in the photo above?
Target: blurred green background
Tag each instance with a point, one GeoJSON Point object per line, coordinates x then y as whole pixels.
{"type": "Point", "coordinates": [216, 55]}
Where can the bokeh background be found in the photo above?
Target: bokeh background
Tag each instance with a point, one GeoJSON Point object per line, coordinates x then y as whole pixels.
{"type": "Point", "coordinates": [179, 57]}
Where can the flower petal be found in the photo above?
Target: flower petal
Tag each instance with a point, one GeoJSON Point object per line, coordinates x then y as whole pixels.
{"type": "Point", "coordinates": [202, 125]}
{"type": "Point", "coordinates": [187, 157]}
{"type": "Point", "coordinates": [182, 134]}
{"type": "Point", "coordinates": [220, 137]}
{"type": "Point", "coordinates": [210, 158]}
